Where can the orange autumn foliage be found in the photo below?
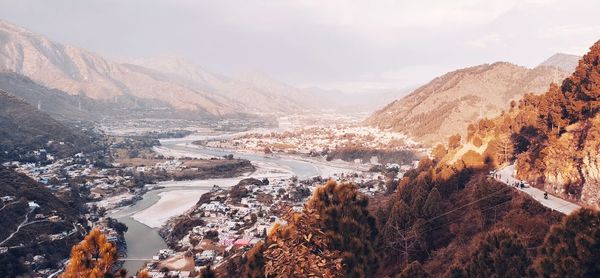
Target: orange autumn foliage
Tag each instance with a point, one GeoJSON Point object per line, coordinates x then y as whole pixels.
{"type": "Point", "coordinates": [94, 256]}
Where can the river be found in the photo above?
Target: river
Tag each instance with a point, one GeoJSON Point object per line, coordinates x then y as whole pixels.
{"type": "Point", "coordinates": [143, 241]}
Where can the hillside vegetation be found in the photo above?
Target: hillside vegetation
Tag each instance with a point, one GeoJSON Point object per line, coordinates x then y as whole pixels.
{"type": "Point", "coordinates": [32, 238]}
{"type": "Point", "coordinates": [553, 138]}
{"type": "Point", "coordinates": [24, 129]}
{"type": "Point", "coordinates": [449, 218]}
{"type": "Point", "coordinates": [447, 104]}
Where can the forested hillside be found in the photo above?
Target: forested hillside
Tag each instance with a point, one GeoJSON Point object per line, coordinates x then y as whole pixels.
{"type": "Point", "coordinates": [23, 130]}
{"type": "Point", "coordinates": [443, 221]}
{"type": "Point", "coordinates": [448, 103]}
{"type": "Point", "coordinates": [449, 217]}
{"type": "Point", "coordinates": [23, 233]}
{"type": "Point", "coordinates": [553, 138]}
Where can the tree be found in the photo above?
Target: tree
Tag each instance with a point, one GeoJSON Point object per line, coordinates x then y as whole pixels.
{"type": "Point", "coordinates": [92, 257]}
{"type": "Point", "coordinates": [143, 274]}
{"type": "Point", "coordinates": [499, 254]}
{"type": "Point", "coordinates": [433, 205]}
{"type": "Point", "coordinates": [398, 235]}
{"type": "Point", "coordinates": [134, 153]}
{"type": "Point", "coordinates": [438, 152]}
{"type": "Point", "coordinates": [504, 147]}
{"type": "Point", "coordinates": [208, 272]}
{"type": "Point", "coordinates": [414, 270]}
{"type": "Point", "coordinates": [122, 273]}
{"type": "Point", "coordinates": [454, 141]}
{"type": "Point", "coordinates": [254, 261]}
{"type": "Point", "coordinates": [344, 217]}
{"type": "Point", "coordinates": [572, 248]}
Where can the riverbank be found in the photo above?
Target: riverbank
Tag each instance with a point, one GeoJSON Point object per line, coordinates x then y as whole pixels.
{"type": "Point", "coordinates": [176, 202]}
{"type": "Point", "coordinates": [176, 197]}
{"type": "Point", "coordinates": [326, 168]}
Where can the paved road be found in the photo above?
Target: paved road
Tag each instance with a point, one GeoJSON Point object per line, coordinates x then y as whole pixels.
{"type": "Point", "coordinates": [553, 202]}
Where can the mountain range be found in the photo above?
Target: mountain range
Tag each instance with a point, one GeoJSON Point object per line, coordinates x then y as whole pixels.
{"type": "Point", "coordinates": [157, 83]}
{"type": "Point", "coordinates": [450, 102]}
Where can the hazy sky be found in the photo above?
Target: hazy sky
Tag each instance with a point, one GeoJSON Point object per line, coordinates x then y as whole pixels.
{"type": "Point", "coordinates": [348, 45]}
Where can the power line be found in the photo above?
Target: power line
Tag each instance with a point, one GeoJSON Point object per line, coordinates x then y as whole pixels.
{"type": "Point", "coordinates": [464, 206]}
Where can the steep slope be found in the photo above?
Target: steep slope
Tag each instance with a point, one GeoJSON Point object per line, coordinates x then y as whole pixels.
{"type": "Point", "coordinates": [79, 72]}
{"type": "Point", "coordinates": [447, 104]}
{"type": "Point", "coordinates": [24, 129]}
{"type": "Point", "coordinates": [56, 103]}
{"type": "Point", "coordinates": [553, 138]}
{"type": "Point", "coordinates": [34, 236]}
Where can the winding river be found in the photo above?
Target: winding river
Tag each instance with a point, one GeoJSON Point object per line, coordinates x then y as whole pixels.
{"type": "Point", "coordinates": [143, 241]}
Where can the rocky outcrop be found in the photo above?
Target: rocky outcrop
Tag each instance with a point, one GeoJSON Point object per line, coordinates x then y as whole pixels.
{"type": "Point", "coordinates": [572, 163]}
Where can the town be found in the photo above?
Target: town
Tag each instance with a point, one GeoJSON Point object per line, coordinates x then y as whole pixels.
{"type": "Point", "coordinates": [317, 140]}
{"type": "Point", "coordinates": [227, 222]}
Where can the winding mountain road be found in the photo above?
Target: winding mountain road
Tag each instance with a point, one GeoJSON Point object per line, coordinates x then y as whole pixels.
{"type": "Point", "coordinates": [23, 224]}
{"type": "Point", "coordinates": [553, 202]}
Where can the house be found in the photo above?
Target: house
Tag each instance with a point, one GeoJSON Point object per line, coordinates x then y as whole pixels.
{"type": "Point", "coordinates": [205, 257]}
{"type": "Point", "coordinates": [54, 218]}
{"type": "Point", "coordinates": [156, 274]}
{"type": "Point", "coordinates": [241, 243]}
{"type": "Point", "coordinates": [7, 198]}
{"type": "Point", "coordinates": [33, 205]}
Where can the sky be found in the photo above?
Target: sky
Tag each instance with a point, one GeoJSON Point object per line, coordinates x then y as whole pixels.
{"type": "Point", "coordinates": [351, 46]}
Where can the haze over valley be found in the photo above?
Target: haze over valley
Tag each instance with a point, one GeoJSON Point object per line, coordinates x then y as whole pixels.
{"type": "Point", "coordinates": [299, 139]}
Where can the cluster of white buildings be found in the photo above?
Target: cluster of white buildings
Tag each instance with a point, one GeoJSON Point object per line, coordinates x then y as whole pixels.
{"type": "Point", "coordinates": [318, 140]}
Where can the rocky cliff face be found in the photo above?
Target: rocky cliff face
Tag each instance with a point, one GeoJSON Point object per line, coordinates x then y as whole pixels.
{"type": "Point", "coordinates": [570, 164]}
{"type": "Point", "coordinates": [447, 104]}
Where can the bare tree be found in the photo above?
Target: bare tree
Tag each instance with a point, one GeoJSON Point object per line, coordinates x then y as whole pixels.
{"type": "Point", "coordinates": [402, 241]}
{"type": "Point", "coordinates": [504, 147]}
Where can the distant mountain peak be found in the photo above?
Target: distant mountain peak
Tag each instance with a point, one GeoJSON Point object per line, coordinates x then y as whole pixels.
{"type": "Point", "coordinates": [565, 62]}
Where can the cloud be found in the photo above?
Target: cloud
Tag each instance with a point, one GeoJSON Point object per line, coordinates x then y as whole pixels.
{"type": "Point", "coordinates": [485, 41]}
{"type": "Point", "coordinates": [348, 44]}
{"type": "Point", "coordinates": [569, 31]}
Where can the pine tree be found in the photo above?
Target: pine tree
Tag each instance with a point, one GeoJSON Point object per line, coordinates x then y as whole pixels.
{"type": "Point", "coordinates": [398, 236]}
{"type": "Point", "coordinates": [433, 205]}
{"type": "Point", "coordinates": [347, 222]}
{"type": "Point", "coordinates": [94, 256]}
{"type": "Point", "coordinates": [499, 254]}
{"type": "Point", "coordinates": [572, 248]}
